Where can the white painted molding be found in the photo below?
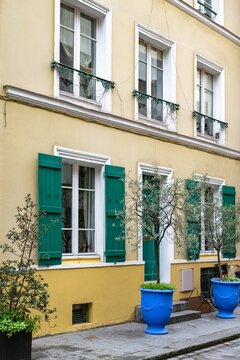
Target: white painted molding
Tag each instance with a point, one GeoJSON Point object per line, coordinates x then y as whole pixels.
{"type": "Point", "coordinates": [63, 107]}
{"type": "Point", "coordinates": [182, 5]}
{"type": "Point", "coordinates": [82, 156]}
{"type": "Point", "coordinates": [93, 265]}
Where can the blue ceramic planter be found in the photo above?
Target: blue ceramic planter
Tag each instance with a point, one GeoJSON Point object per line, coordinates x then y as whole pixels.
{"type": "Point", "coordinates": [156, 308]}
{"type": "Point", "coordinates": [226, 297]}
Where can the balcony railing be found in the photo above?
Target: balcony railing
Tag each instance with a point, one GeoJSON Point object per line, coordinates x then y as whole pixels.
{"type": "Point", "coordinates": [143, 96]}
{"type": "Point", "coordinates": [207, 9]}
{"type": "Point", "coordinates": [199, 116]}
{"type": "Point", "coordinates": [107, 84]}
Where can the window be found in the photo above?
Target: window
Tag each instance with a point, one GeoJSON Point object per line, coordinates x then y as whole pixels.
{"type": "Point", "coordinates": [83, 53]}
{"type": "Point", "coordinates": [81, 195]}
{"type": "Point", "coordinates": [77, 25]}
{"type": "Point", "coordinates": [205, 96]}
{"type": "Point", "coordinates": [150, 80]}
{"type": "Point", "coordinates": [213, 9]}
{"type": "Point", "coordinates": [209, 101]}
{"type": "Point", "coordinates": [79, 208]}
{"type": "Point", "coordinates": [155, 79]}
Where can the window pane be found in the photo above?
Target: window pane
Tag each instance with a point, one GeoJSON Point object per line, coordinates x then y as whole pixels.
{"type": "Point", "coordinates": [66, 241]}
{"type": "Point", "coordinates": [88, 26]}
{"type": "Point", "coordinates": [157, 58]}
{"type": "Point", "coordinates": [208, 103]}
{"type": "Point", "coordinates": [67, 208]}
{"type": "Point", "coordinates": [86, 241]}
{"type": "Point", "coordinates": [86, 209]}
{"type": "Point", "coordinates": [142, 51]}
{"type": "Point", "coordinates": [67, 175]}
{"type": "Point", "coordinates": [198, 98]}
{"type": "Point", "coordinates": [66, 58]}
{"type": "Point", "coordinates": [199, 77]}
{"type": "Point", "coordinates": [157, 83]}
{"type": "Point", "coordinates": [157, 91]}
{"type": "Point", "coordinates": [86, 178]}
{"type": "Point", "coordinates": [208, 81]}
{"type": "Point", "coordinates": [142, 86]}
{"type": "Point", "coordinates": [67, 16]}
{"type": "Point", "coordinates": [208, 221]}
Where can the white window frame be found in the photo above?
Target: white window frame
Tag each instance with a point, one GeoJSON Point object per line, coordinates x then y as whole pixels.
{"type": "Point", "coordinates": [103, 18]}
{"type": "Point", "coordinates": [167, 245]}
{"type": "Point", "coordinates": [98, 162]}
{"type": "Point", "coordinates": [217, 6]}
{"type": "Point", "coordinates": [217, 185]}
{"type": "Point", "coordinates": [218, 98]}
{"type": "Point", "coordinates": [168, 47]}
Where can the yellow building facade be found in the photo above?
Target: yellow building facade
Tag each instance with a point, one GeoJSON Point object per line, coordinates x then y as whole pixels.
{"type": "Point", "coordinates": [90, 90]}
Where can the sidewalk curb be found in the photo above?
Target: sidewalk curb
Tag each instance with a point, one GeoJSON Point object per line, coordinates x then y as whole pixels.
{"type": "Point", "coordinates": [194, 347]}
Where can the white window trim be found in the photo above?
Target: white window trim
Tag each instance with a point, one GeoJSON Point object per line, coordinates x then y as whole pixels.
{"type": "Point", "coordinates": [97, 161]}
{"type": "Point", "coordinates": [168, 47]}
{"type": "Point", "coordinates": [219, 96]}
{"type": "Point", "coordinates": [167, 245]}
{"type": "Point", "coordinates": [218, 7]}
{"type": "Point", "coordinates": [217, 183]}
{"type": "Point", "coordinates": [103, 64]}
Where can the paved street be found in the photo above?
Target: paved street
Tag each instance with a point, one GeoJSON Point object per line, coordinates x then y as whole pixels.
{"type": "Point", "coordinates": [228, 350]}
{"type": "Point", "coordinates": [129, 342]}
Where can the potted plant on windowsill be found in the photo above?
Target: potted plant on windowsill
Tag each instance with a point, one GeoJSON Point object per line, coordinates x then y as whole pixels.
{"type": "Point", "coordinates": [154, 208]}
{"type": "Point", "coordinates": [220, 219]}
{"type": "Point", "coordinates": [23, 292]}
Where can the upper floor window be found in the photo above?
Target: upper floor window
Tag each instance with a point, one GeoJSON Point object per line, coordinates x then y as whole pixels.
{"type": "Point", "coordinates": [77, 30]}
{"type": "Point", "coordinates": [211, 8]}
{"type": "Point", "coordinates": [83, 53]}
{"type": "Point", "coordinates": [209, 101]}
{"type": "Point", "coordinates": [155, 79]}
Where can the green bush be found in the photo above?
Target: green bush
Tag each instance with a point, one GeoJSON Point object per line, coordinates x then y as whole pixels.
{"type": "Point", "coordinates": [22, 288]}
{"type": "Point", "coordinates": [157, 286]}
{"type": "Point", "coordinates": [11, 322]}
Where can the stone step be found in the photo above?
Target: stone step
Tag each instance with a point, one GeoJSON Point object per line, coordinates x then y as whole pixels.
{"type": "Point", "coordinates": [180, 313]}
{"type": "Point", "coordinates": [180, 305]}
{"type": "Point", "coordinates": [185, 315]}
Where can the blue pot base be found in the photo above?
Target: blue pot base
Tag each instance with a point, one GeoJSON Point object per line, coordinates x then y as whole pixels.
{"type": "Point", "coordinates": [156, 330]}
{"type": "Point", "coordinates": [225, 315]}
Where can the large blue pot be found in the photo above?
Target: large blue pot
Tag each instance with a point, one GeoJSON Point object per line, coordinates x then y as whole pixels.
{"type": "Point", "coordinates": [156, 308]}
{"type": "Point", "coordinates": [225, 297]}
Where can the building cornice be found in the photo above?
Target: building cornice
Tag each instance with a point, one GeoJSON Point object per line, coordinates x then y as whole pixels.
{"type": "Point", "coordinates": [66, 108]}
{"type": "Point", "coordinates": [180, 4]}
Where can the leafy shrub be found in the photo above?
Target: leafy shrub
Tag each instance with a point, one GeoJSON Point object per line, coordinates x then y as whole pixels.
{"type": "Point", "coordinates": [157, 286]}
{"type": "Point", "coordinates": [22, 289]}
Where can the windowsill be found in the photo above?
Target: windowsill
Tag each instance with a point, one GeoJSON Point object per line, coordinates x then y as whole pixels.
{"type": "Point", "coordinates": [208, 139]}
{"type": "Point", "coordinates": [97, 264]}
{"type": "Point", "coordinates": [80, 101]}
{"type": "Point", "coordinates": [152, 122]}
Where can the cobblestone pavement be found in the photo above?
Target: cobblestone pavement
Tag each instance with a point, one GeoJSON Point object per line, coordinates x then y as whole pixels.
{"type": "Point", "coordinates": [227, 350]}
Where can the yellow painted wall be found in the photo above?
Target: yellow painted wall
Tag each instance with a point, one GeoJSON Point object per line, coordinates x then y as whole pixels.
{"type": "Point", "coordinates": [27, 63]}
{"type": "Point", "coordinates": [25, 131]}
{"type": "Point", "coordinates": [112, 291]}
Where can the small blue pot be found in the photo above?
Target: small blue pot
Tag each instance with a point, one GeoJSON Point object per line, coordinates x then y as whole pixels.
{"type": "Point", "coordinates": [225, 297]}
{"type": "Point", "coordinates": [156, 308]}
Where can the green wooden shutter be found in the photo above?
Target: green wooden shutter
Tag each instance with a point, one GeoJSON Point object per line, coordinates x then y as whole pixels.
{"type": "Point", "coordinates": [50, 203]}
{"type": "Point", "coordinates": [193, 222]}
{"type": "Point", "coordinates": [114, 205]}
{"type": "Point", "coordinates": [228, 198]}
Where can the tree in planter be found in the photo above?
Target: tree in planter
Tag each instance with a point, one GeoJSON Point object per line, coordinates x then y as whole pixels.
{"type": "Point", "coordinates": [22, 289]}
{"type": "Point", "coordinates": [154, 208]}
{"type": "Point", "coordinates": [214, 218]}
